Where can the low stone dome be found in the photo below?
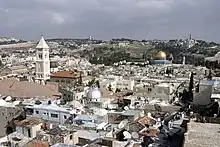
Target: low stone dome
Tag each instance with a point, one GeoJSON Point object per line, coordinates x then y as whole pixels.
{"type": "Point", "coordinates": [94, 93]}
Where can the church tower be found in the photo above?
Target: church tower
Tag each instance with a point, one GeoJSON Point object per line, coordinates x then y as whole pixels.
{"type": "Point", "coordinates": [42, 61]}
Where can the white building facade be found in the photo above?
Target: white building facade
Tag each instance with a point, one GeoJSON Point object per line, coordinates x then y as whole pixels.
{"type": "Point", "coordinates": [52, 113]}
{"type": "Point", "coordinates": [161, 91]}
{"type": "Point", "coordinates": [117, 82]}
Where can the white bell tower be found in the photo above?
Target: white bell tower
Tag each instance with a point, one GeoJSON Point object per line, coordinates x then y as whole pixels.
{"type": "Point", "coordinates": [42, 61]}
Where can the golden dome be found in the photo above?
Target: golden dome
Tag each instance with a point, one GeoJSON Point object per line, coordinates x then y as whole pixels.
{"type": "Point", "coordinates": [160, 56]}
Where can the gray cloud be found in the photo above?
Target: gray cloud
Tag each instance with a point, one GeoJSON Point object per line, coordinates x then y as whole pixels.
{"type": "Point", "coordinates": [141, 19]}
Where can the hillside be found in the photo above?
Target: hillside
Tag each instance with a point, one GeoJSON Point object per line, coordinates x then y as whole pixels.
{"type": "Point", "coordinates": [108, 54]}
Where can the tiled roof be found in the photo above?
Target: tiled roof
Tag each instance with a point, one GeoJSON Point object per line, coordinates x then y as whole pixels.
{"type": "Point", "coordinates": [150, 132]}
{"type": "Point", "coordinates": [28, 122]}
{"type": "Point", "coordinates": [65, 74]}
{"type": "Point", "coordinates": [23, 89]}
{"type": "Point", "coordinates": [144, 120]}
{"type": "Point", "coordinates": [36, 143]}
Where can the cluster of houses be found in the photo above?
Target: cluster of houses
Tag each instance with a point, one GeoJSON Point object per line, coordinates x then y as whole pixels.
{"type": "Point", "coordinates": [79, 104]}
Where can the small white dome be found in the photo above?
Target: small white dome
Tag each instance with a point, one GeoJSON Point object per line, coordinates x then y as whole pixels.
{"type": "Point", "coordinates": [94, 93]}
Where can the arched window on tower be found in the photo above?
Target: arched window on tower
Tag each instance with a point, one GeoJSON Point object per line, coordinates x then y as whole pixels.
{"type": "Point", "coordinates": [40, 56]}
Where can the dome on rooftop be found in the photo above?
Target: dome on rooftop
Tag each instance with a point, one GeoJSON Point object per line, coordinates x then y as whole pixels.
{"type": "Point", "coordinates": [94, 93]}
{"type": "Point", "coordinates": [160, 56]}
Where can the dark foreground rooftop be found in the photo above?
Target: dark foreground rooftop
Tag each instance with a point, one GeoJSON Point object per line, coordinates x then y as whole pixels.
{"type": "Point", "coordinates": [202, 134]}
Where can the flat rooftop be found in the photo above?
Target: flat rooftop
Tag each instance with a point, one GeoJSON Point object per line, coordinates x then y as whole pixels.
{"type": "Point", "coordinates": [28, 122]}
{"type": "Point", "coordinates": [7, 113]}
{"type": "Point", "coordinates": [202, 135]}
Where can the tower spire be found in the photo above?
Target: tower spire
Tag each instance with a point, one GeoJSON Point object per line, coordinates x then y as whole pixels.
{"type": "Point", "coordinates": [42, 44]}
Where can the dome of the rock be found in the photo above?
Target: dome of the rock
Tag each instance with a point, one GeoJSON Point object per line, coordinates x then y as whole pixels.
{"type": "Point", "coordinates": [160, 56]}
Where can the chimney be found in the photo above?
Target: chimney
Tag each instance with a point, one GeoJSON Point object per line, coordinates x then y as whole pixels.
{"type": "Point", "coordinates": [49, 102]}
{"type": "Point", "coordinates": [51, 126]}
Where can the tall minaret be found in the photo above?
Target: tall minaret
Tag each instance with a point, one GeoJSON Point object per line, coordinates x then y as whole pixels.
{"type": "Point", "coordinates": [90, 38]}
{"type": "Point", "coordinates": [184, 60]}
{"type": "Point", "coordinates": [42, 61]}
{"type": "Point", "coordinates": [190, 41]}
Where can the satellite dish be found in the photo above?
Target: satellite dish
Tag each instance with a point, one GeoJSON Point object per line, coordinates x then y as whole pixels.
{"type": "Point", "coordinates": [8, 98]}
{"type": "Point", "coordinates": [135, 135]}
{"type": "Point", "coordinates": [157, 107]}
{"type": "Point", "coordinates": [126, 108]}
{"type": "Point", "coordinates": [149, 114]}
{"type": "Point", "coordinates": [44, 137]}
{"type": "Point", "coordinates": [122, 124]}
{"type": "Point", "coordinates": [127, 135]}
{"type": "Point", "coordinates": [19, 136]}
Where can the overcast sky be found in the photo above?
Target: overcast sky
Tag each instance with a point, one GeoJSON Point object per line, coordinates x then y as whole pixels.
{"type": "Point", "coordinates": [105, 19]}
